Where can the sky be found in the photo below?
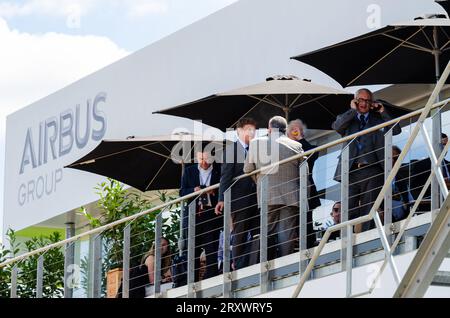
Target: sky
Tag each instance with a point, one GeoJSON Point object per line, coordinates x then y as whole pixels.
{"type": "Point", "coordinates": [47, 44]}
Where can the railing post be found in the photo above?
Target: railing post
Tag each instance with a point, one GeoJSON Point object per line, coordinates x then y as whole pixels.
{"type": "Point", "coordinates": [14, 271]}
{"type": "Point", "coordinates": [95, 266]}
{"type": "Point", "coordinates": [191, 250]}
{"type": "Point", "coordinates": [126, 262]}
{"type": "Point", "coordinates": [227, 279]}
{"type": "Point", "coordinates": [264, 265]}
{"type": "Point", "coordinates": [303, 210]}
{"type": "Point", "coordinates": [157, 274]}
{"type": "Point", "coordinates": [436, 141]}
{"type": "Point", "coordinates": [69, 260]}
{"type": "Point", "coordinates": [347, 232]}
{"type": "Point", "coordinates": [183, 227]}
{"type": "Point", "coordinates": [349, 261]}
{"type": "Point", "coordinates": [40, 276]}
{"type": "Point", "coordinates": [387, 170]}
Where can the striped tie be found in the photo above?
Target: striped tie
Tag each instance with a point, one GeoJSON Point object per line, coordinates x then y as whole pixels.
{"type": "Point", "coordinates": [363, 123]}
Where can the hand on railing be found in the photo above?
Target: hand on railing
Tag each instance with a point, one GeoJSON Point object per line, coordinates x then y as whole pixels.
{"type": "Point", "coordinates": [219, 208]}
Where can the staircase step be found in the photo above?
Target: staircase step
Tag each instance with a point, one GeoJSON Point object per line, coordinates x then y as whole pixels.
{"type": "Point", "coordinates": [441, 279]}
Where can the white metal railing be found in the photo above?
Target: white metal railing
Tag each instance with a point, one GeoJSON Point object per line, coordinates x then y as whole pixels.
{"type": "Point", "coordinates": [216, 186]}
{"type": "Point", "coordinates": [304, 268]}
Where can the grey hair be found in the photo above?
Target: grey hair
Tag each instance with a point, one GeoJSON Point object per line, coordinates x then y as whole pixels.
{"type": "Point", "coordinates": [359, 91]}
{"type": "Point", "coordinates": [279, 123]}
{"type": "Point", "coordinates": [296, 122]}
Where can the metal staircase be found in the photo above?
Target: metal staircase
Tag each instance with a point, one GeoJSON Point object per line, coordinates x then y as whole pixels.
{"type": "Point", "coordinates": [424, 269]}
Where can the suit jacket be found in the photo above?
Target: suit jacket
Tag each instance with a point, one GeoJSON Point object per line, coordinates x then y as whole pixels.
{"type": "Point", "coordinates": [401, 183]}
{"type": "Point", "coordinates": [283, 182]}
{"type": "Point", "coordinates": [348, 124]}
{"type": "Point", "coordinates": [191, 179]}
{"type": "Point", "coordinates": [420, 171]}
{"type": "Point", "coordinates": [306, 147]}
{"type": "Point", "coordinates": [232, 167]}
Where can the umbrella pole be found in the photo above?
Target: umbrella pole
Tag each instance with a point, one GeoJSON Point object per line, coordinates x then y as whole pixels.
{"type": "Point", "coordinates": [287, 108]}
{"type": "Point", "coordinates": [437, 53]}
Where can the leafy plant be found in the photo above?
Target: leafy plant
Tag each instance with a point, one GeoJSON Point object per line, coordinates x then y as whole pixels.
{"type": "Point", "coordinates": [26, 269]}
{"type": "Point", "coordinates": [84, 268]}
{"type": "Point", "coordinates": [53, 269]}
{"type": "Point", "coordinates": [5, 273]}
{"type": "Point", "coordinates": [5, 254]}
{"type": "Point", "coordinates": [116, 203]}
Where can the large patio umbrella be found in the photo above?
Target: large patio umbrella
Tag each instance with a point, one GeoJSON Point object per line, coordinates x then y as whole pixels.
{"type": "Point", "coordinates": [144, 163]}
{"type": "Point", "coordinates": [445, 4]}
{"type": "Point", "coordinates": [286, 96]}
{"type": "Point", "coordinates": [404, 53]}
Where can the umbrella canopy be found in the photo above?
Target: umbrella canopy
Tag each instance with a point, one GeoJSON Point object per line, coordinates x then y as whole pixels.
{"type": "Point", "coordinates": [143, 163]}
{"type": "Point", "coordinates": [286, 96]}
{"type": "Point", "coordinates": [405, 53]}
{"type": "Point", "coordinates": [444, 4]}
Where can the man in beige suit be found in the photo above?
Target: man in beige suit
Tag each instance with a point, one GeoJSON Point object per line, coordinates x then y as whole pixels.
{"type": "Point", "coordinates": [283, 185]}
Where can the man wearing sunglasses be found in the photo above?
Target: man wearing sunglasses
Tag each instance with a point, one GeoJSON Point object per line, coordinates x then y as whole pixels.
{"type": "Point", "coordinates": [335, 219]}
{"type": "Point", "coordinates": [366, 153]}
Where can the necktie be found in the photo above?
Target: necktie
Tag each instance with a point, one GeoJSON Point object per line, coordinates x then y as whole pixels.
{"type": "Point", "coordinates": [363, 122]}
{"type": "Point", "coordinates": [246, 151]}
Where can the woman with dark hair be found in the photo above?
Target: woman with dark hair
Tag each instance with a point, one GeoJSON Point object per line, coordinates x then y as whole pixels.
{"type": "Point", "coordinates": [143, 275]}
{"type": "Point", "coordinates": [166, 262]}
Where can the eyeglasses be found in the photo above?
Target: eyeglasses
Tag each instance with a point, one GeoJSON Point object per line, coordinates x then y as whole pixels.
{"type": "Point", "coordinates": [362, 100]}
{"type": "Point", "coordinates": [336, 209]}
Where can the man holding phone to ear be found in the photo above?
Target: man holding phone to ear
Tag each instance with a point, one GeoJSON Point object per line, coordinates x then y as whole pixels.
{"type": "Point", "coordinates": [366, 152]}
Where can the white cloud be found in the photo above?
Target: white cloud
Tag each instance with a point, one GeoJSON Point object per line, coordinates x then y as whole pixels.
{"type": "Point", "coordinates": [34, 66]}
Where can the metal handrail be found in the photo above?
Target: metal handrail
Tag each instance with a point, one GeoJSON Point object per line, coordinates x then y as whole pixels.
{"type": "Point", "coordinates": [216, 186]}
{"type": "Point", "coordinates": [373, 212]}
{"type": "Point", "coordinates": [406, 223]}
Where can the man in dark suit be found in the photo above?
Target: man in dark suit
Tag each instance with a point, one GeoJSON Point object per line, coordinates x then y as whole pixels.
{"type": "Point", "coordinates": [366, 152]}
{"type": "Point", "coordinates": [420, 171]}
{"type": "Point", "coordinates": [244, 211]}
{"type": "Point", "coordinates": [207, 223]}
